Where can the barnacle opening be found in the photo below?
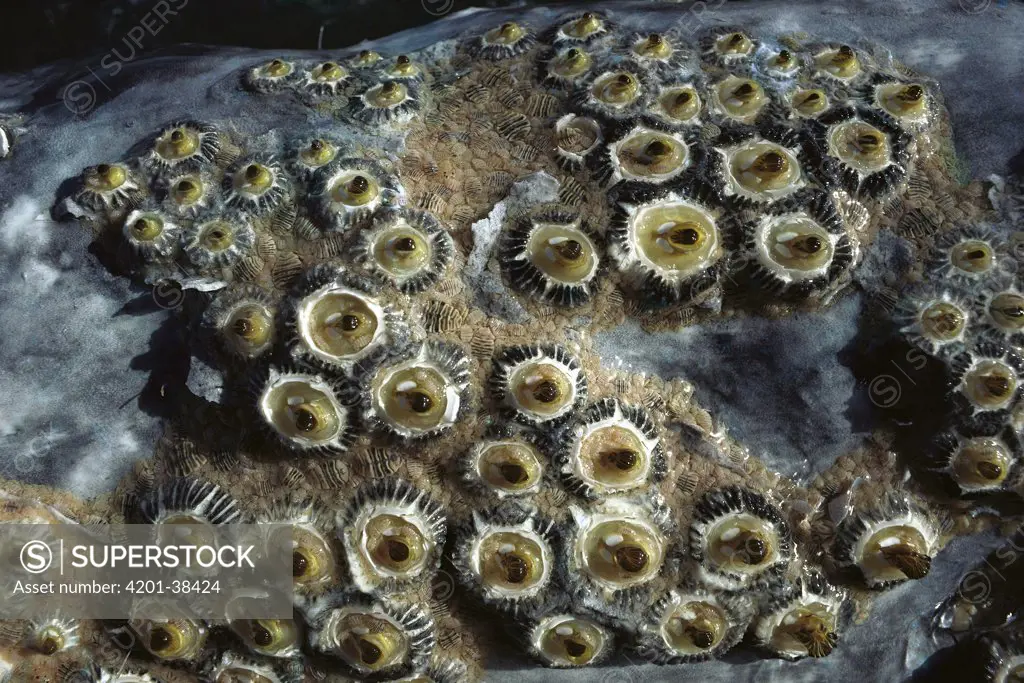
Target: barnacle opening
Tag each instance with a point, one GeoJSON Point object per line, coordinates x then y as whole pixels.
{"type": "Point", "coordinates": [650, 155]}
{"type": "Point", "coordinates": [510, 562]}
{"type": "Point", "coordinates": [860, 145]}
{"type": "Point", "coordinates": [810, 627]}
{"type": "Point", "coordinates": [621, 552]}
{"type": "Point", "coordinates": [542, 388]}
{"type": "Point", "coordinates": [734, 44]}
{"type": "Point", "coordinates": [653, 46]}
{"type": "Point", "coordinates": [216, 236]}
{"type": "Point", "coordinates": [402, 251]}
{"type": "Point", "coordinates": [675, 236]}
{"type": "Point", "coordinates": [275, 69]}
{"type": "Point", "coordinates": [797, 244]}
{"type": "Point", "coordinates": [508, 33]}
{"type": "Point", "coordinates": [562, 252]}
{"type": "Point", "coordinates": [509, 466]}
{"type": "Point", "coordinates": [981, 463]}
{"type": "Point", "coordinates": [973, 256]}
{"type": "Point", "coordinates": [172, 639]}
{"type": "Point", "coordinates": [896, 552]}
{"type": "Point", "coordinates": [614, 456]}
{"type": "Point", "coordinates": [743, 543]}
{"type": "Point", "coordinates": [187, 191]}
{"type": "Point", "coordinates": [942, 321]}
{"type": "Point", "coordinates": [104, 178]}
{"type": "Point", "coordinates": [270, 637]}
{"type": "Point", "coordinates": [809, 103]}
{"type": "Point", "coordinates": [783, 62]}
{"type": "Point", "coordinates": [249, 328]}
{"type": "Point", "coordinates": [617, 89]}
{"type": "Point", "coordinates": [302, 409]}
{"type": "Point", "coordinates": [840, 62]}
{"type": "Point", "coordinates": [680, 104]}
{"type": "Point", "coordinates": [313, 560]}
{"type": "Point", "coordinates": [403, 68]}
{"type": "Point", "coordinates": [990, 384]}
{"type": "Point", "coordinates": [146, 227]}
{"type": "Point", "coordinates": [339, 324]}
{"type": "Point", "coordinates": [366, 58]}
{"type": "Point", "coordinates": [415, 397]}
{"type": "Point", "coordinates": [577, 136]}
{"type": "Point", "coordinates": [328, 72]}
{"type": "Point", "coordinates": [354, 188]}
{"type": "Point", "coordinates": [570, 64]}
{"type": "Point", "coordinates": [568, 641]}
{"type": "Point", "coordinates": [177, 144]}
{"type": "Point", "coordinates": [584, 27]}
{"type": "Point", "coordinates": [1007, 311]}
{"type": "Point", "coordinates": [905, 101]}
{"type": "Point", "coordinates": [318, 153]}
{"type": "Point", "coordinates": [369, 642]}
{"type": "Point", "coordinates": [740, 98]}
{"type": "Point", "coordinates": [694, 627]}
{"type": "Point", "coordinates": [763, 169]}
{"type": "Point", "coordinates": [394, 546]}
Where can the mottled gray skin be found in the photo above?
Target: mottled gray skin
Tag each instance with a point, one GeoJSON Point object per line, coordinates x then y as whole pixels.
{"type": "Point", "coordinates": [75, 355]}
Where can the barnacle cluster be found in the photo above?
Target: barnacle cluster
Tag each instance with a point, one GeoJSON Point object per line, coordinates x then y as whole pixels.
{"type": "Point", "coordinates": [409, 377]}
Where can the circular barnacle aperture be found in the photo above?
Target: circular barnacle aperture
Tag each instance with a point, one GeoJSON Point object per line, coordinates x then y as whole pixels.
{"type": "Point", "coordinates": [507, 558]}
{"type": "Point", "coordinates": [692, 625]}
{"type": "Point", "coordinates": [738, 538]}
{"type": "Point", "coordinates": [393, 535]}
{"type": "Point", "coordinates": [507, 465]}
{"type": "Point", "coordinates": [564, 640]}
{"type": "Point", "coordinates": [184, 145]}
{"type": "Point", "coordinates": [272, 76]}
{"type": "Point", "coordinates": [968, 256]}
{"type": "Point", "coordinates": [888, 543]}
{"type": "Point", "coordinates": [241, 321]}
{"type": "Point", "coordinates": [979, 464]}
{"type": "Point", "coordinates": [547, 253]}
{"type": "Point", "coordinates": [403, 69]}
{"type": "Point", "coordinates": [803, 621]}
{"type": "Point", "coordinates": [538, 384]}
{"type": "Point", "coordinates": [840, 62]}
{"type": "Point", "coordinates": [313, 154]}
{"type": "Point", "coordinates": [503, 42]}
{"type": "Point", "coordinates": [417, 395]}
{"type": "Point", "coordinates": [300, 528]}
{"type": "Point", "coordinates": [859, 151]}
{"type": "Point", "coordinates": [728, 46]}
{"type": "Point", "coordinates": [906, 102]}
{"type": "Point", "coordinates": [581, 29]}
{"type": "Point", "coordinates": [325, 78]}
{"type": "Point", "coordinates": [275, 638]}
{"type": "Point", "coordinates": [617, 544]}
{"type": "Point", "coordinates": [406, 248]}
{"type": "Point", "coordinates": [151, 234]}
{"type": "Point", "coordinates": [577, 137]}
{"type": "Point", "coordinates": [391, 101]}
{"type": "Point", "coordinates": [303, 412]}
{"type": "Point", "coordinates": [176, 638]}
{"type": "Point", "coordinates": [656, 51]}
{"type": "Point", "coordinates": [218, 242]}
{"type": "Point", "coordinates": [108, 187]}
{"type": "Point", "coordinates": [51, 636]}
{"type": "Point", "coordinates": [365, 59]}
{"type": "Point", "coordinates": [1002, 313]}
{"type": "Point", "coordinates": [808, 103]}
{"type": "Point", "coordinates": [617, 93]}
{"type": "Point", "coordinates": [612, 448]}
{"type": "Point", "coordinates": [800, 252]}
{"type": "Point", "coordinates": [678, 105]}
{"type": "Point", "coordinates": [934, 319]}
{"type": "Point", "coordinates": [569, 65]}
{"type": "Point", "coordinates": [372, 639]}
{"type": "Point", "coordinates": [189, 193]}
{"type": "Point", "coordinates": [669, 246]}
{"type": "Point", "coordinates": [738, 99]}
{"type": "Point", "coordinates": [648, 155]}
{"type": "Point", "coordinates": [256, 185]}
{"type": "Point", "coordinates": [350, 190]}
{"type": "Point", "coordinates": [985, 382]}
{"type": "Point", "coordinates": [781, 64]}
{"type": "Point", "coordinates": [758, 171]}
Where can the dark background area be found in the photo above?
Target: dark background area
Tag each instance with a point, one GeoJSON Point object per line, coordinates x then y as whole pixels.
{"type": "Point", "coordinates": [43, 31]}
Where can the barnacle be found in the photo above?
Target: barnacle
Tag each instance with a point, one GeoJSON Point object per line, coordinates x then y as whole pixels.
{"type": "Point", "coordinates": [303, 411]}
{"type": "Point", "coordinates": [569, 65]}
{"type": "Point", "coordinates": [981, 463]}
{"type": "Point", "coordinates": [313, 154]}
{"type": "Point", "coordinates": [325, 78]}
{"type": "Point", "coordinates": [241, 320]}
{"type": "Point", "coordinates": [840, 62]}
{"type": "Point", "coordinates": [738, 99]}
{"type": "Point", "coordinates": [859, 151]}
{"type": "Point", "coordinates": [151, 234]}
{"type": "Point", "coordinates": [379, 639]}
{"type": "Point", "coordinates": [504, 41]}
{"type": "Point", "coordinates": [582, 28]}
{"type": "Point", "coordinates": [656, 51]}
{"type": "Point", "coordinates": [890, 542]}
{"type": "Point", "coordinates": [548, 254]}
{"type": "Point", "coordinates": [165, 633]}
{"type": "Point", "coordinates": [508, 464]}
{"type": "Point", "coordinates": [276, 638]}
{"type": "Point", "coordinates": [218, 242]}
{"type": "Point", "coordinates": [689, 625]}
{"type": "Point", "coordinates": [985, 382]}
{"type": "Point", "coordinates": [108, 187]}
{"type": "Point", "coordinates": [301, 528]}
{"type": "Point", "coordinates": [403, 69]}
{"type": "Point", "coordinates": [417, 394]}
{"type": "Point", "coordinates": [50, 636]}
{"type": "Point", "coordinates": [802, 621]}
{"type": "Point", "coordinates": [618, 93]}
{"type": "Point", "coordinates": [566, 640]}
{"type": "Point", "coordinates": [738, 538]}
{"type": "Point", "coordinates": [611, 448]}
{"type": "Point", "coordinates": [387, 102]}
{"type": "Point", "coordinates": [934, 318]}
{"type": "Point", "coordinates": [669, 245]}
{"type": "Point", "coordinates": [1001, 312]}
{"type": "Point", "coordinates": [759, 169]}
{"type": "Point", "coordinates": [189, 193]}
{"type": "Point", "coordinates": [968, 256]}
{"type": "Point", "coordinates": [272, 76]}
{"type": "Point", "coordinates": [678, 105]}
{"type": "Point", "coordinates": [577, 137]}
{"type": "Point", "coordinates": [393, 535]}
{"type": "Point", "coordinates": [184, 145]}
{"type": "Point", "coordinates": [256, 185]}
{"type": "Point", "coordinates": [539, 384]}
{"type": "Point", "coordinates": [800, 250]}
{"type": "Point", "coordinates": [649, 156]}
{"type": "Point", "coordinates": [781, 64]}
{"type": "Point", "coordinates": [507, 558]}
{"type": "Point", "coordinates": [187, 509]}
{"type": "Point", "coordinates": [907, 103]}
{"type": "Point", "coordinates": [728, 46]}
{"type": "Point", "coordinates": [406, 248]}
{"type": "Point", "coordinates": [231, 667]}
{"type": "Point", "coordinates": [349, 190]}
{"type": "Point", "coordinates": [365, 59]}
{"type": "Point", "coordinates": [809, 103]}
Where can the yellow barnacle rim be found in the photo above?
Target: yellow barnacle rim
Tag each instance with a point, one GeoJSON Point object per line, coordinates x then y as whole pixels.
{"type": "Point", "coordinates": [508, 33]}
{"type": "Point", "coordinates": [1007, 311]}
{"type": "Point", "coordinates": [340, 324]}
{"type": "Point", "coordinates": [860, 145]}
{"type": "Point", "coordinates": [903, 100]}
{"type": "Point", "coordinates": [621, 552]}
{"type": "Point", "coordinates": [178, 143]}
{"type": "Point", "coordinates": [742, 543]}
{"type": "Point", "coordinates": [276, 68]}
{"type": "Point", "coordinates": [734, 44]}
{"type": "Point", "coordinates": [404, 67]}
{"type": "Point", "coordinates": [147, 227]}
{"type": "Point", "coordinates": [369, 642]}
{"type": "Point", "coordinates": [618, 89]}
{"type": "Point", "coordinates": [366, 58]}
{"type": "Point", "coordinates": [991, 385]}
{"type": "Point", "coordinates": [842, 62]}
{"type": "Point", "coordinates": [299, 410]}
{"type": "Point", "coordinates": [510, 466]}
{"type": "Point", "coordinates": [562, 252]}
{"type": "Point", "coordinates": [216, 236]}
{"type": "Point", "coordinates": [981, 462]}
{"type": "Point", "coordinates": [798, 243]}
{"type": "Point", "coordinates": [571, 642]}
{"type": "Point", "coordinates": [973, 256]}
{"type": "Point", "coordinates": [187, 191]}
{"type": "Point", "coordinates": [542, 388]}
{"type": "Point", "coordinates": [676, 237]}
{"type": "Point", "coordinates": [105, 177]}
{"type": "Point", "coordinates": [681, 104]}
{"type": "Point", "coordinates": [585, 26]}
{"type": "Point", "coordinates": [783, 61]}
{"type": "Point", "coordinates": [654, 46]}
{"type": "Point", "coordinates": [571, 63]}
{"type": "Point", "coordinates": [394, 546]}
{"type": "Point", "coordinates": [267, 636]}
{"type": "Point", "coordinates": [895, 553]}
{"type": "Point", "coordinates": [694, 627]}
{"type": "Point", "coordinates": [764, 167]}
{"type": "Point", "coordinates": [50, 641]}
{"type": "Point", "coordinates": [809, 627]}
{"type": "Point", "coordinates": [402, 251]}
{"type": "Point", "coordinates": [354, 189]}
{"type": "Point", "coordinates": [741, 98]}
{"type": "Point", "coordinates": [318, 153]}
{"type": "Point", "coordinates": [810, 102]}
{"type": "Point", "coordinates": [249, 328]}
{"type": "Point", "coordinates": [613, 456]}
{"type": "Point", "coordinates": [942, 321]}
{"type": "Point", "coordinates": [171, 640]}
{"type": "Point", "coordinates": [387, 95]}
{"type": "Point", "coordinates": [651, 154]}
{"type": "Point", "coordinates": [510, 562]}
{"type": "Point", "coordinates": [254, 178]}
{"type": "Point", "coordinates": [415, 397]}
{"type": "Point", "coordinates": [312, 557]}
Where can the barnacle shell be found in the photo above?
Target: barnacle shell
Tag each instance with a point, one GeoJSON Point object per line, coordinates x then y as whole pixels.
{"type": "Point", "coordinates": [441, 670]}
{"type": "Point", "coordinates": [349, 190]}
{"type": "Point", "coordinates": [809, 103]}
{"type": "Point", "coordinates": [304, 411]}
{"type": "Point", "coordinates": [393, 535]}
{"type": "Point", "coordinates": [387, 102]}
{"type": "Point", "coordinates": [548, 254]}
{"type": "Point", "coordinates": [273, 75]}
{"type": "Point", "coordinates": [232, 666]}
{"type": "Point", "coordinates": [218, 241]}
{"type": "Point", "coordinates": [324, 78]}
{"type": "Point", "coordinates": [581, 28]}
{"type": "Point", "coordinates": [241, 319]}
{"type": "Point", "coordinates": [107, 187]}
{"type": "Point", "coordinates": [577, 138]}
{"type": "Point", "coordinates": [781, 64]}
{"type": "Point", "coordinates": [568, 66]}
{"type": "Point", "coordinates": [301, 527]}
{"type": "Point", "coordinates": [403, 69]}
{"type": "Point", "coordinates": [969, 256]}
{"type": "Point", "coordinates": [648, 155]}
{"type": "Point", "coordinates": [908, 104]}
{"type": "Point", "coordinates": [314, 153]}
{"type": "Point", "coordinates": [738, 538]}
{"type": "Point", "coordinates": [188, 505]}
{"type": "Point", "coordinates": [504, 41]}
{"type": "Point", "coordinates": [659, 52]}
{"type": "Point", "coordinates": [738, 99]}
{"type": "Point", "coordinates": [406, 248]}
{"type": "Point", "coordinates": [618, 92]}
{"type": "Point", "coordinates": [184, 145]}
{"type": "Point", "coordinates": [669, 245]}
{"type": "Point", "coordinates": [693, 624]}
{"type": "Point", "coordinates": [151, 234]}
{"type": "Point", "coordinates": [934, 318]}
{"type": "Point", "coordinates": [538, 384]}
{"type": "Point", "coordinates": [189, 193]}
{"type": "Point", "coordinates": [277, 638]}
{"type": "Point", "coordinates": [801, 621]}
{"type": "Point", "coordinates": [611, 448]}
{"type": "Point", "coordinates": [839, 62]}
{"type": "Point", "coordinates": [678, 105]}
{"type": "Point", "coordinates": [980, 463]}
{"type": "Point", "coordinates": [567, 640]}
{"type": "Point", "coordinates": [889, 543]}
{"type": "Point", "coordinates": [986, 383]}
{"type": "Point", "coordinates": [372, 638]}
{"type": "Point", "coordinates": [417, 394]}
{"type": "Point", "coordinates": [337, 321]}
{"type": "Point", "coordinates": [508, 463]}
{"type": "Point", "coordinates": [507, 558]}
{"type": "Point", "coordinates": [1001, 313]}
{"type": "Point", "coordinates": [365, 59]}
{"type": "Point", "coordinates": [754, 169]}
{"type": "Point", "coordinates": [256, 185]}
{"type": "Point", "coordinates": [170, 637]}
{"type": "Point", "coordinates": [50, 636]}
{"type": "Point", "coordinates": [728, 46]}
